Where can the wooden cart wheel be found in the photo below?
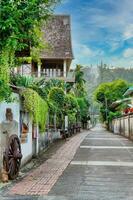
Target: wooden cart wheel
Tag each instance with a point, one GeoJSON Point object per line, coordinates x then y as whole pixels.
{"type": "Point", "coordinates": [12, 157]}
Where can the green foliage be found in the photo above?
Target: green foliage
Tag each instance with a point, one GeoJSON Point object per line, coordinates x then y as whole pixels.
{"type": "Point", "coordinates": [71, 107]}
{"type": "Point", "coordinates": [22, 81]}
{"type": "Point", "coordinates": [57, 96]}
{"type": "Point", "coordinates": [22, 60]}
{"type": "Point", "coordinates": [109, 92]}
{"type": "Point", "coordinates": [84, 108]}
{"type": "Point", "coordinates": [72, 117]}
{"type": "Point", "coordinates": [5, 91]}
{"type": "Point", "coordinates": [53, 108]}
{"type": "Point", "coordinates": [79, 82]}
{"type": "Point", "coordinates": [36, 106]}
{"type": "Point", "coordinates": [4, 69]}
{"type": "Point", "coordinates": [81, 94]}
{"type": "Point", "coordinates": [55, 99]}
{"type": "Point", "coordinates": [19, 21]}
{"type": "Point", "coordinates": [54, 83]}
{"type": "Point", "coordinates": [71, 103]}
{"type": "Point", "coordinates": [20, 28]}
{"type": "Point", "coordinates": [113, 115]}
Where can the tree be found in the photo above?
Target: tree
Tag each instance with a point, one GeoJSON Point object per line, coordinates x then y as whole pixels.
{"type": "Point", "coordinates": [79, 81]}
{"type": "Point", "coordinates": [20, 30]}
{"type": "Point", "coordinates": [21, 20]}
{"type": "Point", "coordinates": [107, 93]}
{"type": "Point", "coordinates": [81, 94]}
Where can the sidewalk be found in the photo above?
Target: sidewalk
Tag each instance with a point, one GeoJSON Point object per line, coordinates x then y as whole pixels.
{"type": "Point", "coordinates": [102, 169]}
{"type": "Point", "coordinates": [42, 179]}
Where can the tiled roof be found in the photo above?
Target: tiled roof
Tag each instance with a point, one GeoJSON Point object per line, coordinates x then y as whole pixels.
{"type": "Point", "coordinates": [57, 33]}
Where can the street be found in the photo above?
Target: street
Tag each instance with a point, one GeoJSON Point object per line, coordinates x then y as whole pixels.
{"type": "Point", "coordinates": [101, 169]}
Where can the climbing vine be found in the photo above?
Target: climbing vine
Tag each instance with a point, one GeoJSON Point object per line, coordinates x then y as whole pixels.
{"type": "Point", "coordinates": [36, 106]}
{"type": "Point", "coordinates": [6, 60]}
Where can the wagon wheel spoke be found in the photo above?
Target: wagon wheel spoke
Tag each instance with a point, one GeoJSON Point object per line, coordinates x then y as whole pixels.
{"type": "Point", "coordinates": [12, 157]}
{"type": "Point", "coordinates": [12, 168]}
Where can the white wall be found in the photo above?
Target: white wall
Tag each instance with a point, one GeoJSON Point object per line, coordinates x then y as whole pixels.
{"type": "Point", "coordinates": [123, 126]}
{"type": "Point", "coordinates": [15, 106]}
{"type": "Point", "coordinates": [15, 110]}
{"type": "Point", "coordinates": [27, 147]}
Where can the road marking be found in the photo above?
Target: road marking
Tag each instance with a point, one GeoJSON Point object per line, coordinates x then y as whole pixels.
{"type": "Point", "coordinates": [106, 147]}
{"type": "Point", "coordinates": [106, 139]}
{"type": "Point", "coordinates": [103, 163]}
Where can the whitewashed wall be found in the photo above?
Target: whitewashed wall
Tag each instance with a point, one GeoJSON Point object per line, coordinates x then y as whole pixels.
{"type": "Point", "coordinates": [15, 106]}
{"type": "Point", "coordinates": [15, 110]}
{"type": "Point", "coordinates": [123, 126]}
{"type": "Point", "coordinates": [27, 147]}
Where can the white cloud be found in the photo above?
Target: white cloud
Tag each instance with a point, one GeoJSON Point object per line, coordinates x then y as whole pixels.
{"type": "Point", "coordinates": [116, 21]}
{"type": "Point", "coordinates": [65, 1]}
{"type": "Point", "coordinates": [86, 51]}
{"type": "Point", "coordinates": [82, 50]}
{"type": "Point", "coordinates": [128, 53]}
{"type": "Point", "coordinates": [128, 32]}
{"type": "Point", "coordinates": [100, 30]}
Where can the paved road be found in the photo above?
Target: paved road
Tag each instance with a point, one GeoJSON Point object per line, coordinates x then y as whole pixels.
{"type": "Point", "coordinates": [102, 169]}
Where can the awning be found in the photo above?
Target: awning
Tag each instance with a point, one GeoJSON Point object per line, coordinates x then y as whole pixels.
{"type": "Point", "coordinates": [129, 92]}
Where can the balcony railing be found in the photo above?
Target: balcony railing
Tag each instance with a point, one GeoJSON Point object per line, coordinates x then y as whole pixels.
{"type": "Point", "coordinates": [70, 77]}
{"type": "Point", "coordinates": [47, 75]}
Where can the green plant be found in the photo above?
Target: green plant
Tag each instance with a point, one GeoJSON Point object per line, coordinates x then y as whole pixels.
{"type": "Point", "coordinates": [36, 106]}
{"type": "Point", "coordinates": [5, 91]}
{"type": "Point", "coordinates": [22, 60]}
{"type": "Point", "coordinates": [20, 28]}
{"type": "Point", "coordinates": [72, 117]}
{"type": "Point", "coordinates": [57, 96]}
{"type": "Point", "coordinates": [107, 93]}
{"type": "Point", "coordinates": [83, 108]}
{"type": "Point", "coordinates": [53, 83]}
{"type": "Point", "coordinates": [21, 21]}
{"type": "Point", "coordinates": [22, 81]}
{"type": "Point", "coordinates": [113, 115]}
{"type": "Point", "coordinates": [79, 82]}
{"type": "Point", "coordinates": [71, 102]}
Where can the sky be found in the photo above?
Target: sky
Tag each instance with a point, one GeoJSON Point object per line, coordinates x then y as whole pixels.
{"type": "Point", "coordinates": [102, 30]}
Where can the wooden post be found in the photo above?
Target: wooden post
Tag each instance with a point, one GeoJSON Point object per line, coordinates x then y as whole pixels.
{"type": "Point", "coordinates": [65, 69]}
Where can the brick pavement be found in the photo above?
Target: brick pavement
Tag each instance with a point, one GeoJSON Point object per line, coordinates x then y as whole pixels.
{"type": "Point", "coordinates": [42, 179]}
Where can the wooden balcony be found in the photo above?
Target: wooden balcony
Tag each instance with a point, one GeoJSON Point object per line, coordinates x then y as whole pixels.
{"type": "Point", "coordinates": [69, 78]}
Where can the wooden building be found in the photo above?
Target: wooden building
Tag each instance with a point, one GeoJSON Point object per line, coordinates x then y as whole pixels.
{"type": "Point", "coordinates": [57, 58]}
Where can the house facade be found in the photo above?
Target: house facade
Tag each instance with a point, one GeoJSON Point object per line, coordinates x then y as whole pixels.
{"type": "Point", "coordinates": [56, 58]}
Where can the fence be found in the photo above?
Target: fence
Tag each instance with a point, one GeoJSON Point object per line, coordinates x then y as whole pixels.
{"type": "Point", "coordinates": [123, 126]}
